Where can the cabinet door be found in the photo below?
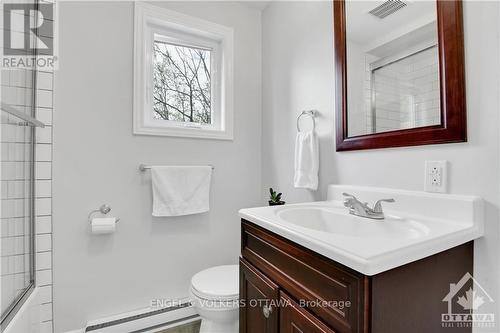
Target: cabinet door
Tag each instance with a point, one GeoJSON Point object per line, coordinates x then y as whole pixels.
{"type": "Point", "coordinates": [259, 297]}
{"type": "Point", "coordinates": [294, 319]}
{"type": "Point", "coordinates": [308, 276]}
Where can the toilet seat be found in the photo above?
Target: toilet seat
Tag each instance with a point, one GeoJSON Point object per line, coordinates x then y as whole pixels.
{"type": "Point", "coordinates": [220, 283]}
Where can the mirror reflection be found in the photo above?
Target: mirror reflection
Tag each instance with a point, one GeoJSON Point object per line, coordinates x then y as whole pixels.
{"type": "Point", "coordinates": [392, 66]}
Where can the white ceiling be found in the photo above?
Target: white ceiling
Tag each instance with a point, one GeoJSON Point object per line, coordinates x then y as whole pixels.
{"type": "Point", "coordinates": [259, 5]}
{"type": "Point", "coordinates": [367, 30]}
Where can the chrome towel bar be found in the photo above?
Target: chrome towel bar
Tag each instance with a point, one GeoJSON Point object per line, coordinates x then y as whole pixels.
{"type": "Point", "coordinates": [144, 167]}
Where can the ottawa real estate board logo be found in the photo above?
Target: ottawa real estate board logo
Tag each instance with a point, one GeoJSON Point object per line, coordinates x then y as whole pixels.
{"type": "Point", "coordinates": [465, 300]}
{"type": "Point", "coordinates": [29, 36]}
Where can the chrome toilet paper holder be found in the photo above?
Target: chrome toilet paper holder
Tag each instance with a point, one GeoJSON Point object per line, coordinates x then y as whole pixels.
{"type": "Point", "coordinates": [104, 209]}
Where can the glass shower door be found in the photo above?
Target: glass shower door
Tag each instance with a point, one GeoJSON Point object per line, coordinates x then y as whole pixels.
{"type": "Point", "coordinates": [17, 129]}
{"type": "Point", "coordinates": [17, 177]}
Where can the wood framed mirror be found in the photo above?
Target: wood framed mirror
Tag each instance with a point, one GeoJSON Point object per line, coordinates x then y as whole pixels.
{"type": "Point", "coordinates": [399, 71]}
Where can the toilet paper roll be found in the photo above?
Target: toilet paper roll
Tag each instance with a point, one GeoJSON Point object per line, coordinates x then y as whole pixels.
{"type": "Point", "coordinates": [103, 225]}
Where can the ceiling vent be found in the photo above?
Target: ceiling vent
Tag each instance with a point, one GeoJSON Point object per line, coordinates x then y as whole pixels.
{"type": "Point", "coordinates": [387, 8]}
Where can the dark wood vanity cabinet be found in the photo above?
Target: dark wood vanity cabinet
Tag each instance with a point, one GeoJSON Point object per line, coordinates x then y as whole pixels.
{"type": "Point", "coordinates": [287, 288]}
{"type": "Point", "coordinates": [258, 292]}
{"type": "Point", "coordinates": [294, 319]}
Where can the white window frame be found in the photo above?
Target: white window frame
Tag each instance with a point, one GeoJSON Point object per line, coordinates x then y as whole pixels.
{"type": "Point", "coordinates": [156, 23]}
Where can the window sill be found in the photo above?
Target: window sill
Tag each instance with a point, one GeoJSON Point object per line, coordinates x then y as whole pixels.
{"type": "Point", "coordinates": [195, 133]}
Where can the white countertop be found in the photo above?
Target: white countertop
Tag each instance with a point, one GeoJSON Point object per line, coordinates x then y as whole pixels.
{"type": "Point", "coordinates": [418, 225]}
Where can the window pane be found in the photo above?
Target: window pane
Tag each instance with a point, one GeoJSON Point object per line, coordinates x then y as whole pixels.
{"type": "Point", "coordinates": [182, 89]}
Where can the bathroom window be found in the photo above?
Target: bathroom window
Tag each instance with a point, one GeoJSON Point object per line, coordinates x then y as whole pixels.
{"type": "Point", "coordinates": [182, 89]}
{"type": "Point", "coordinates": [183, 75]}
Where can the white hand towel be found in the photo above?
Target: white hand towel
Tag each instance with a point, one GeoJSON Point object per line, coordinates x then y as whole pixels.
{"type": "Point", "coordinates": [306, 160]}
{"type": "Point", "coordinates": [180, 190]}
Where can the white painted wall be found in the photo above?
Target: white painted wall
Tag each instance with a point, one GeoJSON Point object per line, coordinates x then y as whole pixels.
{"type": "Point", "coordinates": [298, 74]}
{"type": "Point", "coordinates": [96, 161]}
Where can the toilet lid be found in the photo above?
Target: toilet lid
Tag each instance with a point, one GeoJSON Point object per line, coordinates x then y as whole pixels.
{"type": "Point", "coordinates": [215, 283]}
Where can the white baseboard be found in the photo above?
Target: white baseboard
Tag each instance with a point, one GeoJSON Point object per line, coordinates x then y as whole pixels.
{"type": "Point", "coordinates": [144, 320]}
{"type": "Point", "coordinates": [177, 323]}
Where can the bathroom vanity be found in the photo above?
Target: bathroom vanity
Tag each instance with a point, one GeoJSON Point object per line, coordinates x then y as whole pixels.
{"type": "Point", "coordinates": [325, 274]}
{"type": "Point", "coordinates": [400, 300]}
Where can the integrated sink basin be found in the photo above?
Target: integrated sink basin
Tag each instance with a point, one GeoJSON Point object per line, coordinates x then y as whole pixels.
{"type": "Point", "coordinates": [336, 220]}
{"type": "Point", "coordinates": [417, 225]}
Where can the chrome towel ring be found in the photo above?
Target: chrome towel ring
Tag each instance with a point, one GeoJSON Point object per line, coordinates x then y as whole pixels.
{"type": "Point", "coordinates": [311, 113]}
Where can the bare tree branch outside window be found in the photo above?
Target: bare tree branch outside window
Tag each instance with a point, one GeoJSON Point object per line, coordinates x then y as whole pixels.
{"type": "Point", "coordinates": [182, 88]}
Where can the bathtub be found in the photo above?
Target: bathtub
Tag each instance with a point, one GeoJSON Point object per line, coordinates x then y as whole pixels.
{"type": "Point", "coordinates": [27, 318]}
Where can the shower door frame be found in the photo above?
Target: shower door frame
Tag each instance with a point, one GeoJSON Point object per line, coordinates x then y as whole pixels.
{"type": "Point", "coordinates": [13, 309]}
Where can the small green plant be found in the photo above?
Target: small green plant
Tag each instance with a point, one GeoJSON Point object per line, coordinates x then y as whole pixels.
{"type": "Point", "coordinates": [275, 198]}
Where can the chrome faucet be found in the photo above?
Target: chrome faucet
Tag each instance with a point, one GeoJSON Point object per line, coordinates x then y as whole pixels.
{"type": "Point", "coordinates": [358, 208]}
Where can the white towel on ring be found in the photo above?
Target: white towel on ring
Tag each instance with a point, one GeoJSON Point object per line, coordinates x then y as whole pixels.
{"type": "Point", "coordinates": [306, 160]}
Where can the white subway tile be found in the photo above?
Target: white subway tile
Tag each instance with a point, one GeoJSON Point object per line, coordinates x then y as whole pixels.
{"type": "Point", "coordinates": [8, 290]}
{"type": "Point", "coordinates": [44, 80]}
{"type": "Point", "coordinates": [43, 152]}
{"type": "Point", "coordinates": [46, 327]}
{"type": "Point", "coordinates": [18, 226]}
{"type": "Point", "coordinates": [20, 263]}
{"type": "Point", "coordinates": [21, 170]}
{"type": "Point", "coordinates": [44, 115]}
{"type": "Point", "coordinates": [5, 228]}
{"type": "Point", "coordinates": [5, 77]}
{"type": "Point", "coordinates": [20, 282]}
{"type": "Point", "coordinates": [8, 170]}
{"type": "Point", "coordinates": [5, 152]}
{"type": "Point", "coordinates": [17, 189]}
{"type": "Point", "coordinates": [46, 312]}
{"type": "Point", "coordinates": [9, 132]}
{"type": "Point", "coordinates": [44, 135]}
{"type": "Point", "coordinates": [20, 152]}
{"type": "Point", "coordinates": [21, 78]}
{"type": "Point", "coordinates": [43, 170]}
{"type": "Point", "coordinates": [12, 264]}
{"type": "Point", "coordinates": [43, 224]}
{"type": "Point", "coordinates": [44, 98]}
{"type": "Point", "coordinates": [7, 208]}
{"type": "Point", "coordinates": [9, 94]}
{"type": "Point", "coordinates": [43, 242]}
{"type": "Point", "coordinates": [43, 188]}
{"type": "Point", "coordinates": [4, 189]}
{"type": "Point", "coordinates": [43, 206]}
{"type": "Point", "coordinates": [45, 294]}
{"type": "Point", "coordinates": [44, 277]}
{"type": "Point", "coordinates": [23, 97]}
{"type": "Point", "coordinates": [43, 260]}
{"type": "Point", "coordinates": [7, 246]}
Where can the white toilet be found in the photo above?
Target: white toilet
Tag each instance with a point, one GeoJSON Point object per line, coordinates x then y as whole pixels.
{"type": "Point", "coordinates": [215, 296]}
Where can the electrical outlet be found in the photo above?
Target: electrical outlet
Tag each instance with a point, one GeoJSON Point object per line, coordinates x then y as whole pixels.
{"type": "Point", "coordinates": [436, 176]}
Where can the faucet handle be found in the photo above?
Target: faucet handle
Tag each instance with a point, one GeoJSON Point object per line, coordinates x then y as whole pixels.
{"type": "Point", "coordinates": [349, 200]}
{"type": "Point", "coordinates": [378, 205]}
